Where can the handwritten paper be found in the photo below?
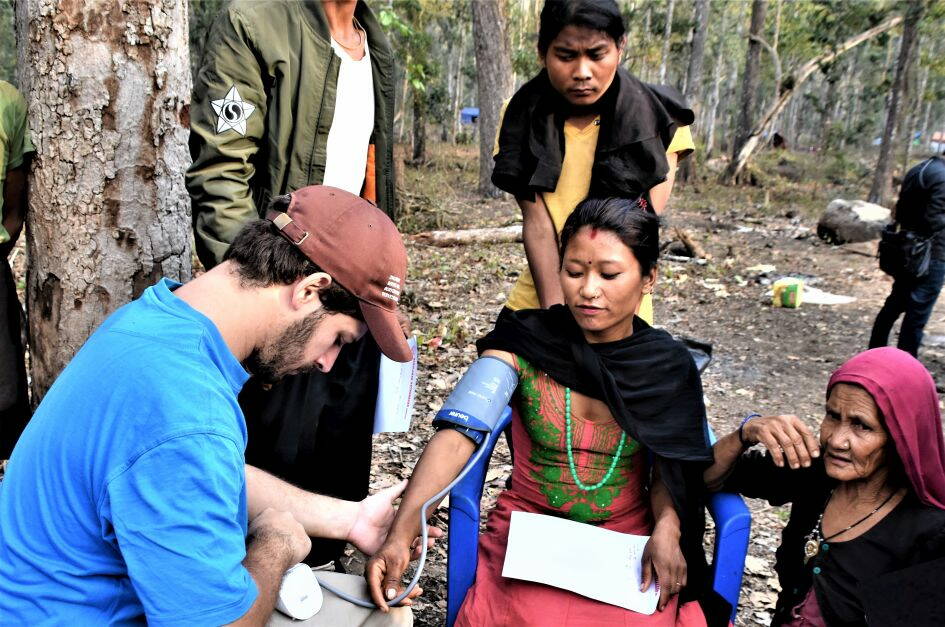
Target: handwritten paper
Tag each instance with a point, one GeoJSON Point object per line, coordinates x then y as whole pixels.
{"type": "Point", "coordinates": [396, 386]}
{"type": "Point", "coordinates": [591, 561]}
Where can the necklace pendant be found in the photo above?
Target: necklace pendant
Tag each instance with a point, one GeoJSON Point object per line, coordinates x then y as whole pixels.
{"type": "Point", "coordinates": [811, 548]}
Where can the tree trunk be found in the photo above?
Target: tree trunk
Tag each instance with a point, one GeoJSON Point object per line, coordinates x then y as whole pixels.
{"type": "Point", "coordinates": [108, 86]}
{"type": "Point", "coordinates": [750, 81]}
{"type": "Point", "coordinates": [791, 87]}
{"type": "Point", "coordinates": [881, 189]}
{"type": "Point", "coordinates": [687, 170]}
{"type": "Point", "coordinates": [667, 35]}
{"type": "Point", "coordinates": [493, 83]}
{"type": "Point", "coordinates": [911, 117]}
{"type": "Point", "coordinates": [458, 81]}
{"type": "Point", "coordinates": [419, 155]}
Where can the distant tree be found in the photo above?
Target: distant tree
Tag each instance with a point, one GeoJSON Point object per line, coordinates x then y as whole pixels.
{"type": "Point", "coordinates": [700, 27]}
{"type": "Point", "coordinates": [749, 96]}
{"type": "Point", "coordinates": [790, 86]}
{"type": "Point", "coordinates": [494, 81]}
{"type": "Point", "coordinates": [667, 38]}
{"type": "Point", "coordinates": [108, 98]}
{"type": "Point", "coordinates": [881, 189]}
{"type": "Point", "coordinates": [7, 43]}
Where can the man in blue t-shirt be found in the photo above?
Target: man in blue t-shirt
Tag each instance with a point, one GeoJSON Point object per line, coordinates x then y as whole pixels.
{"type": "Point", "coordinates": [127, 497]}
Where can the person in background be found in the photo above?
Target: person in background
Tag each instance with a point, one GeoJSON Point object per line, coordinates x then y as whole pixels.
{"type": "Point", "coordinates": [920, 209]}
{"type": "Point", "coordinates": [293, 93]}
{"type": "Point", "coordinates": [583, 127]}
{"type": "Point", "coordinates": [15, 152]}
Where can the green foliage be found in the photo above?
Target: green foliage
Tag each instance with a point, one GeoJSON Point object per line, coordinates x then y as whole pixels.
{"type": "Point", "coordinates": [201, 13]}
{"type": "Point", "coordinates": [7, 43]}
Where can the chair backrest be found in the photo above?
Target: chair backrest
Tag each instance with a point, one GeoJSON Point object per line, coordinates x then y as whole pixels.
{"type": "Point", "coordinates": [731, 516]}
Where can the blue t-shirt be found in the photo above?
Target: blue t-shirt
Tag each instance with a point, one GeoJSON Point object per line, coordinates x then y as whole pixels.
{"type": "Point", "coordinates": [125, 498]}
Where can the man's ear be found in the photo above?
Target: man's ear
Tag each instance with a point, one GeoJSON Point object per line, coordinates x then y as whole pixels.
{"type": "Point", "coordinates": [305, 292]}
{"type": "Point", "coordinates": [541, 57]}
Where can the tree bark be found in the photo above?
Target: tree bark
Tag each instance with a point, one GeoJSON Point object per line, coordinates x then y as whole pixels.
{"type": "Point", "coordinates": [687, 170]}
{"type": "Point", "coordinates": [493, 83]}
{"type": "Point", "coordinates": [750, 81]}
{"type": "Point", "coordinates": [881, 189]}
{"type": "Point", "coordinates": [419, 155]}
{"type": "Point", "coordinates": [458, 80]}
{"type": "Point", "coordinates": [667, 35]}
{"type": "Point", "coordinates": [790, 86]}
{"type": "Point", "coordinates": [108, 86]}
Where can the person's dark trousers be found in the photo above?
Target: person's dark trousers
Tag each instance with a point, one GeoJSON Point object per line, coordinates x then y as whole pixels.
{"type": "Point", "coordinates": [314, 431]}
{"type": "Point", "coordinates": [915, 298]}
{"type": "Point", "coordinates": [14, 396]}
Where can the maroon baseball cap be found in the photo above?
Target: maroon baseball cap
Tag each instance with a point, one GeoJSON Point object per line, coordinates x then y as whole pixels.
{"type": "Point", "coordinates": [358, 245]}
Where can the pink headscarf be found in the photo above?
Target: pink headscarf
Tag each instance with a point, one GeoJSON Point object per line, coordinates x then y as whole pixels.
{"type": "Point", "coordinates": [905, 394]}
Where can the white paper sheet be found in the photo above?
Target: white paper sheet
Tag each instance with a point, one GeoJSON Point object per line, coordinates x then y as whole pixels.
{"type": "Point", "coordinates": [591, 561]}
{"type": "Point", "coordinates": [396, 386]}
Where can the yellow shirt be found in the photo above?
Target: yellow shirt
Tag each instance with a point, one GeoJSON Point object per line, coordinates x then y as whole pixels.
{"type": "Point", "coordinates": [573, 186]}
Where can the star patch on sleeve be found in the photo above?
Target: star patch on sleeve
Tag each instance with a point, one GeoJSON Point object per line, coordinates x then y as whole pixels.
{"type": "Point", "coordinates": [232, 112]}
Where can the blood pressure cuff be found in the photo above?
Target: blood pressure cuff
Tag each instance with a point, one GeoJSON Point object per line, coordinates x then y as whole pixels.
{"type": "Point", "coordinates": [478, 400]}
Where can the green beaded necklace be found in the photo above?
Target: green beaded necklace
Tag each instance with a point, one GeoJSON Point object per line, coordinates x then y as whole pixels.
{"type": "Point", "coordinates": [567, 429]}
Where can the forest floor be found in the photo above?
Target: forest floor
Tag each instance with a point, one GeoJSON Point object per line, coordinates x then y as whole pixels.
{"type": "Point", "coordinates": [766, 360]}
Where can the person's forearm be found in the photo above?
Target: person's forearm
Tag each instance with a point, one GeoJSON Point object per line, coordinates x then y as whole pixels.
{"type": "Point", "coordinates": [659, 195]}
{"type": "Point", "coordinates": [665, 518]}
{"type": "Point", "coordinates": [266, 560]}
{"type": "Point", "coordinates": [541, 250]}
{"type": "Point", "coordinates": [442, 459]}
{"type": "Point", "coordinates": [322, 516]}
{"type": "Point", "coordinates": [726, 452]}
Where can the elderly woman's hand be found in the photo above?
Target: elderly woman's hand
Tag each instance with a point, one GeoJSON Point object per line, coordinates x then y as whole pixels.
{"type": "Point", "coordinates": [787, 438]}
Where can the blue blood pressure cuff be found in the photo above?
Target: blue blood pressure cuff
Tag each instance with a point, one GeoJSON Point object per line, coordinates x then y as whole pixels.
{"type": "Point", "coordinates": [478, 400]}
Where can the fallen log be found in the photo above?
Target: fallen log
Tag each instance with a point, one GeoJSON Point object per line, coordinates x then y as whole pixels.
{"type": "Point", "coordinates": [493, 235]}
{"type": "Point", "coordinates": [694, 247]}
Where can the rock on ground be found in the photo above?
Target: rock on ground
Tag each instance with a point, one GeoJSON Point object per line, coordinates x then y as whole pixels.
{"type": "Point", "coordinates": [848, 221]}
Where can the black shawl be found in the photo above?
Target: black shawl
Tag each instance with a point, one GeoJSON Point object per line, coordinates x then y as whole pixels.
{"type": "Point", "coordinates": [637, 124]}
{"type": "Point", "coordinates": [653, 389]}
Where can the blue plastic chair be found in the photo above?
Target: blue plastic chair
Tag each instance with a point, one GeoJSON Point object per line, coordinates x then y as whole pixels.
{"type": "Point", "coordinates": [731, 516]}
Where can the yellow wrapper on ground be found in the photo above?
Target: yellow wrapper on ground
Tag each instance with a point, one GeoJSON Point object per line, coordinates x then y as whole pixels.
{"type": "Point", "coordinates": [787, 292]}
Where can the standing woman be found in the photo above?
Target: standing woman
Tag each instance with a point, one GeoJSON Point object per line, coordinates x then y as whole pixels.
{"type": "Point", "coordinates": [583, 127]}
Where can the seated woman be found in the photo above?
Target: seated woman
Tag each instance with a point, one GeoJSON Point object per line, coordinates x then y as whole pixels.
{"type": "Point", "coordinates": [867, 504]}
{"type": "Point", "coordinates": [599, 391]}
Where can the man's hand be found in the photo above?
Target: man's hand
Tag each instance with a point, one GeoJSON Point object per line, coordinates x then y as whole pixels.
{"type": "Point", "coordinates": [663, 560]}
{"type": "Point", "coordinates": [787, 438]}
{"type": "Point", "coordinates": [375, 515]}
{"type": "Point", "coordinates": [282, 536]}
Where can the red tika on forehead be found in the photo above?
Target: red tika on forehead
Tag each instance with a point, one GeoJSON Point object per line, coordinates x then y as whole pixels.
{"type": "Point", "coordinates": [593, 232]}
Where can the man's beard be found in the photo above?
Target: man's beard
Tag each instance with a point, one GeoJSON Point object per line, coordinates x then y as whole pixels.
{"type": "Point", "coordinates": [273, 361]}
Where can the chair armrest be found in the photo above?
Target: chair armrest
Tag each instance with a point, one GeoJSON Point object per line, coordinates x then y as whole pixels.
{"type": "Point", "coordinates": [463, 536]}
{"type": "Point", "coordinates": [732, 529]}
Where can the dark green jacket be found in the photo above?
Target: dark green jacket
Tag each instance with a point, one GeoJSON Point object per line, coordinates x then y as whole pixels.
{"type": "Point", "coordinates": [278, 56]}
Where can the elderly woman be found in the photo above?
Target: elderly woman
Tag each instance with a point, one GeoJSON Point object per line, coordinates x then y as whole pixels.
{"type": "Point", "coordinates": [867, 501]}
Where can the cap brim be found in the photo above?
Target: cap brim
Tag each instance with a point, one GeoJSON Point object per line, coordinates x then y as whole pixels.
{"type": "Point", "coordinates": [385, 328]}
